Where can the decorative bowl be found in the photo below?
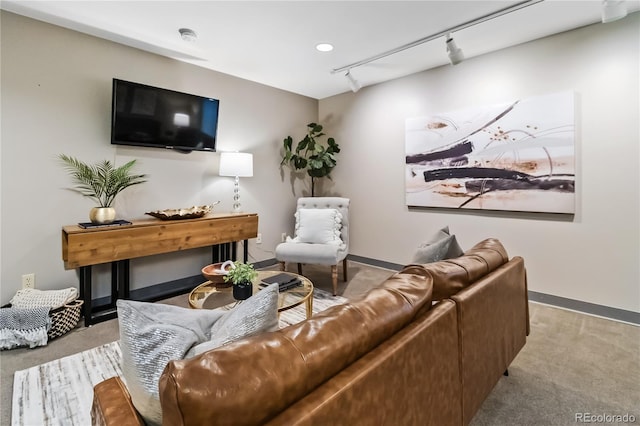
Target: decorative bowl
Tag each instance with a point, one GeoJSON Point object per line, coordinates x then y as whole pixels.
{"type": "Point", "coordinates": [215, 274]}
{"type": "Point", "coordinates": [185, 213]}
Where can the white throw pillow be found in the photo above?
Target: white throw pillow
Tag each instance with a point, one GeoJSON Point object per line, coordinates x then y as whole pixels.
{"type": "Point", "coordinates": [152, 334]}
{"type": "Point", "coordinates": [318, 226]}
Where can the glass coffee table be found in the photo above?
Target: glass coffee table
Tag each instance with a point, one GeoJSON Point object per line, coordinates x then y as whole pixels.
{"type": "Point", "coordinates": [208, 296]}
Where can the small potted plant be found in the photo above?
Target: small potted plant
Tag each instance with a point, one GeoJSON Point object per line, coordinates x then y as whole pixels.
{"type": "Point", "coordinates": [101, 182]}
{"type": "Point", "coordinates": [241, 276]}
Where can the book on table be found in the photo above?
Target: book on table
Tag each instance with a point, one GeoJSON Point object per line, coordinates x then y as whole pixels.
{"type": "Point", "coordinates": [88, 225]}
{"type": "Point", "coordinates": [284, 281]}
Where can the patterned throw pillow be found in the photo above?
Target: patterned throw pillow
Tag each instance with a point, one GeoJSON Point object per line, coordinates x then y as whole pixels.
{"type": "Point", "coordinates": [152, 334]}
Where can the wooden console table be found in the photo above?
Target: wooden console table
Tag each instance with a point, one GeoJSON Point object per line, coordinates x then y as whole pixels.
{"type": "Point", "coordinates": [82, 248]}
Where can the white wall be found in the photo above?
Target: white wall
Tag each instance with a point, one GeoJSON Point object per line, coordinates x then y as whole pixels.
{"type": "Point", "coordinates": [591, 257]}
{"type": "Point", "coordinates": [56, 98]}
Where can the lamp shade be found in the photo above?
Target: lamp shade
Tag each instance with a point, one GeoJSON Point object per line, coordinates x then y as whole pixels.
{"type": "Point", "coordinates": [236, 164]}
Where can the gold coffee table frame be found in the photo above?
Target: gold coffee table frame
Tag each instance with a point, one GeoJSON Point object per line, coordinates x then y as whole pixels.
{"type": "Point", "coordinates": [207, 296]}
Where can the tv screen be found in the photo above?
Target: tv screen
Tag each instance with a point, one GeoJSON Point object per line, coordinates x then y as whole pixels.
{"type": "Point", "coordinates": [150, 116]}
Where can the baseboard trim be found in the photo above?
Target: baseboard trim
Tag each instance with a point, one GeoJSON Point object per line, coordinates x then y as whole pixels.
{"type": "Point", "coordinates": [375, 262]}
{"type": "Point", "coordinates": [586, 307]}
{"type": "Point", "coordinates": [160, 291]}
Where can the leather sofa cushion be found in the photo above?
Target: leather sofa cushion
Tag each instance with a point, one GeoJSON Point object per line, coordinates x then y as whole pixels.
{"type": "Point", "coordinates": [252, 380]}
{"type": "Point", "coordinates": [452, 275]}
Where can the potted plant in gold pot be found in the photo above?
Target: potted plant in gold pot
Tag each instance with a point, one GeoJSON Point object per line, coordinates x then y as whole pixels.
{"type": "Point", "coordinates": [101, 182]}
{"type": "Point", "coordinates": [241, 276]}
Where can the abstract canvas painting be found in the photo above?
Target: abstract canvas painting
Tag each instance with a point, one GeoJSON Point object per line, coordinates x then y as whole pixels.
{"type": "Point", "coordinates": [516, 156]}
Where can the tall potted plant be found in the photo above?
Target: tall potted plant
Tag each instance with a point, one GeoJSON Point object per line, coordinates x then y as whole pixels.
{"type": "Point", "coordinates": [241, 276]}
{"type": "Point", "coordinates": [101, 182]}
{"type": "Point", "coordinates": [311, 155]}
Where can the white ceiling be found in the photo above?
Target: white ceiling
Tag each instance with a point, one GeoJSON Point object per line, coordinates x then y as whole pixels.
{"type": "Point", "coordinates": [273, 42]}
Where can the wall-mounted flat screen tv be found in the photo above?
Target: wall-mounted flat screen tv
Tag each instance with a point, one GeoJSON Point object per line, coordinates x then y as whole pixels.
{"type": "Point", "coordinates": [150, 116]}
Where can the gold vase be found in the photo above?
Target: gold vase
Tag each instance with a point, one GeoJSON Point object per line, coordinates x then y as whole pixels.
{"type": "Point", "coordinates": [102, 215]}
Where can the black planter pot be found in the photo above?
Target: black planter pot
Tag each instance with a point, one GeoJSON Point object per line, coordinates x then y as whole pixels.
{"type": "Point", "coordinates": [242, 291]}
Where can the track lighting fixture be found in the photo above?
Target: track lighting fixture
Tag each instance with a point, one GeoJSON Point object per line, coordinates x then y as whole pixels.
{"type": "Point", "coordinates": [455, 53]}
{"type": "Point", "coordinates": [188, 34]}
{"type": "Point", "coordinates": [612, 10]}
{"type": "Point", "coordinates": [354, 84]}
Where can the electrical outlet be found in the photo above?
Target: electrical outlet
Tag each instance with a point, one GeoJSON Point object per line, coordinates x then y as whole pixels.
{"type": "Point", "coordinates": [283, 237]}
{"type": "Point", "coordinates": [259, 239]}
{"type": "Point", "coordinates": [29, 281]}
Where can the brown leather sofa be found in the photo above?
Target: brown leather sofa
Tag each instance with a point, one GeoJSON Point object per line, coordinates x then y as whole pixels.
{"type": "Point", "coordinates": [424, 348]}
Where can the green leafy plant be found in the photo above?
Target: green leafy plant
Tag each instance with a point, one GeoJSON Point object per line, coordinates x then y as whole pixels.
{"type": "Point", "coordinates": [102, 181]}
{"type": "Point", "coordinates": [242, 273]}
{"type": "Point", "coordinates": [311, 155]}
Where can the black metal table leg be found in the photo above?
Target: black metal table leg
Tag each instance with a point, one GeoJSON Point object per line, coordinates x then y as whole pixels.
{"type": "Point", "coordinates": [85, 293]}
{"type": "Point", "coordinates": [224, 251]}
{"type": "Point", "coordinates": [114, 284]}
{"type": "Point", "coordinates": [121, 274]}
{"type": "Point", "coordinates": [214, 254]}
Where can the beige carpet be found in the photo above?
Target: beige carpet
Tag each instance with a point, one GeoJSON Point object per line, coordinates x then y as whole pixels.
{"type": "Point", "coordinates": [572, 363]}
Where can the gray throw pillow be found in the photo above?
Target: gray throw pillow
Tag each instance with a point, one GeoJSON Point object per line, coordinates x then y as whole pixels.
{"type": "Point", "coordinates": [441, 245]}
{"type": "Point", "coordinates": [152, 334]}
{"type": "Point", "coordinates": [256, 314]}
{"type": "Point", "coordinates": [439, 235]}
{"type": "Point", "coordinates": [454, 249]}
{"type": "Point", "coordinates": [432, 252]}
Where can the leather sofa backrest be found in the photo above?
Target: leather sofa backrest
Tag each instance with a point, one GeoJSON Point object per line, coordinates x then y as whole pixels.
{"type": "Point", "coordinates": [452, 275]}
{"type": "Point", "coordinates": [412, 378]}
{"type": "Point", "coordinates": [252, 380]}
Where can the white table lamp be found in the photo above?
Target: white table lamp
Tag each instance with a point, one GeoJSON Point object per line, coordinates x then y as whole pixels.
{"type": "Point", "coordinates": [236, 164]}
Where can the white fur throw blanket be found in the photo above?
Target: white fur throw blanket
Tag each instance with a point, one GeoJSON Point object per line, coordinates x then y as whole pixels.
{"type": "Point", "coordinates": [24, 327]}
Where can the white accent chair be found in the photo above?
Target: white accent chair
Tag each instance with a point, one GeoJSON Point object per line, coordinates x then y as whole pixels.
{"type": "Point", "coordinates": [315, 253]}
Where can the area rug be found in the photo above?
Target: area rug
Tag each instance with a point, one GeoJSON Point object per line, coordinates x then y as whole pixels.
{"type": "Point", "coordinates": [60, 392]}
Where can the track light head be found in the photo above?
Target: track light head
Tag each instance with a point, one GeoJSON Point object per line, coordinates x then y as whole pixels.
{"type": "Point", "coordinates": [188, 34]}
{"type": "Point", "coordinates": [455, 53]}
{"type": "Point", "coordinates": [354, 84]}
{"type": "Point", "coordinates": [612, 10]}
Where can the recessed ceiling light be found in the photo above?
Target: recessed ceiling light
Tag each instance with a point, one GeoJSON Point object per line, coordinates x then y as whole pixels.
{"type": "Point", "coordinates": [188, 34]}
{"type": "Point", "coordinates": [324, 47]}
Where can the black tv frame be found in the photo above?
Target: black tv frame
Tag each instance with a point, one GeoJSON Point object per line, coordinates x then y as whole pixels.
{"type": "Point", "coordinates": [147, 116]}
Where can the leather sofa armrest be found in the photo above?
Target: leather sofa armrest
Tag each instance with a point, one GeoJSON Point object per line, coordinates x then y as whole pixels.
{"type": "Point", "coordinates": [112, 405]}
